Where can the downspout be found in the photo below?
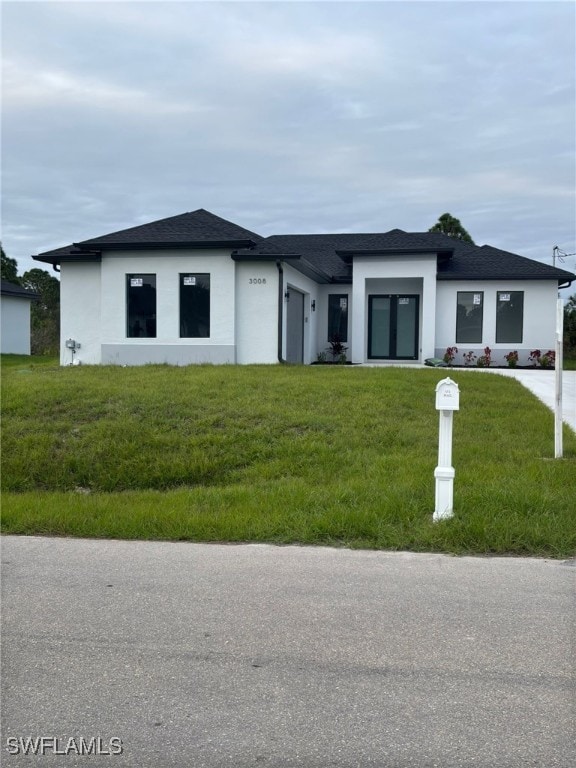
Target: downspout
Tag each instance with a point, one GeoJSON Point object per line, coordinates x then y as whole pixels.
{"type": "Point", "coordinates": [280, 309]}
{"type": "Point", "coordinates": [56, 267]}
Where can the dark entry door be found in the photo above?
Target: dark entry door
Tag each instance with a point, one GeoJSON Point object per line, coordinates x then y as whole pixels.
{"type": "Point", "coordinates": [393, 327]}
{"type": "Point", "coordinates": [295, 327]}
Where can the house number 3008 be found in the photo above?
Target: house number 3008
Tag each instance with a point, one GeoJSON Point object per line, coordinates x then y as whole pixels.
{"type": "Point", "coordinates": [257, 281]}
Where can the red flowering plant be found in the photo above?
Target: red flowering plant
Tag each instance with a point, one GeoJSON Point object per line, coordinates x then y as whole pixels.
{"type": "Point", "coordinates": [512, 359]}
{"type": "Point", "coordinates": [485, 359]}
{"type": "Point", "coordinates": [543, 359]}
{"type": "Point", "coordinates": [450, 355]}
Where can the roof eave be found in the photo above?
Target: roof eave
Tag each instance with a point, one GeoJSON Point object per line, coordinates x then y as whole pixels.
{"type": "Point", "coordinates": [81, 256]}
{"type": "Point", "coordinates": [505, 276]}
{"type": "Point", "coordinates": [133, 245]}
{"type": "Point", "coordinates": [301, 264]}
{"type": "Point", "coordinates": [265, 256]}
{"type": "Point", "coordinates": [348, 255]}
{"type": "Point", "coordinates": [23, 294]}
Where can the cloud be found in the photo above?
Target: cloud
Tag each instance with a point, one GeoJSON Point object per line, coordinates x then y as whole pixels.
{"type": "Point", "coordinates": [289, 117]}
{"type": "Point", "coordinates": [26, 87]}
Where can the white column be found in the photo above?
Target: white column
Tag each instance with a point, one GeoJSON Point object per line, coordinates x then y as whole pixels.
{"type": "Point", "coordinates": [558, 448]}
{"type": "Point", "coordinates": [358, 314]}
{"type": "Point", "coordinates": [444, 472]}
{"type": "Point", "coordinates": [447, 401]}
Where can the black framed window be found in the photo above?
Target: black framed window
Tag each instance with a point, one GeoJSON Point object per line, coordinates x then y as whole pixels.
{"type": "Point", "coordinates": [509, 316]}
{"type": "Point", "coordinates": [194, 306]}
{"type": "Point", "coordinates": [141, 306]}
{"type": "Point", "coordinates": [338, 316]}
{"type": "Point", "coordinates": [469, 317]}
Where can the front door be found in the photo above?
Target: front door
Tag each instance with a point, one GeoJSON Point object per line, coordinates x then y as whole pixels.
{"type": "Point", "coordinates": [295, 327]}
{"type": "Point", "coordinates": [393, 327]}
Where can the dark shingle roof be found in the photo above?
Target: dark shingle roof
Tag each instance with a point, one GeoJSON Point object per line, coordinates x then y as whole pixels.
{"type": "Point", "coordinates": [325, 257]}
{"type": "Point", "coordinates": [488, 263]}
{"type": "Point", "coordinates": [332, 253]}
{"type": "Point", "coordinates": [197, 228]}
{"type": "Point", "coordinates": [12, 289]}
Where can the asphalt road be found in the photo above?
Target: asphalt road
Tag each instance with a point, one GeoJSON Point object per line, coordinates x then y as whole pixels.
{"type": "Point", "coordinates": [215, 656]}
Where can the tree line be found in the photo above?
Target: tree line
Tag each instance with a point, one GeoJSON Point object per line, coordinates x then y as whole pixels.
{"type": "Point", "coordinates": [44, 311]}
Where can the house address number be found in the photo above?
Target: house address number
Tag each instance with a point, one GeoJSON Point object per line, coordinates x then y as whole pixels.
{"type": "Point", "coordinates": [257, 281]}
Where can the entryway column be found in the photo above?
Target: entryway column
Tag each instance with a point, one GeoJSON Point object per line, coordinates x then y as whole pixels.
{"type": "Point", "coordinates": [358, 320]}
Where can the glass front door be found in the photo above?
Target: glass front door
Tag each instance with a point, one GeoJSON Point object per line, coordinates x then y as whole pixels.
{"type": "Point", "coordinates": [393, 327]}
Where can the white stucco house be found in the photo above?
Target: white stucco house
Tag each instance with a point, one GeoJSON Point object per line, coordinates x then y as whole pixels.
{"type": "Point", "coordinates": [15, 318]}
{"type": "Point", "coordinates": [195, 288]}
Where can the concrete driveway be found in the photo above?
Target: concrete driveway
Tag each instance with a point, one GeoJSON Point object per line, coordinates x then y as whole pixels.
{"type": "Point", "coordinates": [215, 656]}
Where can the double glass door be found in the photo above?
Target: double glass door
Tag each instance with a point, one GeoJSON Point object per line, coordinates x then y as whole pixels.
{"type": "Point", "coordinates": [393, 327]}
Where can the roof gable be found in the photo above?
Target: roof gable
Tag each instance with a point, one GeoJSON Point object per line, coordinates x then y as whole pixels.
{"type": "Point", "coordinates": [199, 226]}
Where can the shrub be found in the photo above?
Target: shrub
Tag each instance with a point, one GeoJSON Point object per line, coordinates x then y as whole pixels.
{"type": "Point", "coordinates": [485, 359]}
{"type": "Point", "coordinates": [534, 357]}
{"type": "Point", "coordinates": [512, 359]}
{"type": "Point", "coordinates": [337, 349]}
{"type": "Point", "coordinates": [542, 359]}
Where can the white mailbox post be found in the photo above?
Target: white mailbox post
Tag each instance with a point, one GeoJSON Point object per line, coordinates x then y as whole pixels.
{"type": "Point", "coordinates": [447, 401]}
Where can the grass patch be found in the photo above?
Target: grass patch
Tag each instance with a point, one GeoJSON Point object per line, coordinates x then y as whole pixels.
{"type": "Point", "coordinates": [287, 454]}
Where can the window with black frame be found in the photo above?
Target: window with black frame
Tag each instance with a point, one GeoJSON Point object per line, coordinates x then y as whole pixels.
{"type": "Point", "coordinates": [338, 316]}
{"type": "Point", "coordinates": [141, 306]}
{"type": "Point", "coordinates": [509, 316]}
{"type": "Point", "coordinates": [469, 317]}
{"type": "Point", "coordinates": [194, 306]}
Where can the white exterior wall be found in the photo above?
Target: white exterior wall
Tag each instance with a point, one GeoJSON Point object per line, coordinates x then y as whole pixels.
{"type": "Point", "coordinates": [539, 317]}
{"type": "Point", "coordinates": [80, 311]}
{"type": "Point", "coordinates": [15, 321]}
{"type": "Point", "coordinates": [244, 309]}
{"type": "Point", "coordinates": [256, 312]}
{"type": "Point", "coordinates": [168, 347]}
{"type": "Point", "coordinates": [372, 275]}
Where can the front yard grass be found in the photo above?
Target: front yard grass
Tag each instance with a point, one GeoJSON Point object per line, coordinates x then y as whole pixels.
{"type": "Point", "coordinates": [288, 454]}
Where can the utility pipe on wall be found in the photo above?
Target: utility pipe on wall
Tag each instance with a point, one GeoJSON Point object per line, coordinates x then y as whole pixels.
{"type": "Point", "coordinates": [280, 309]}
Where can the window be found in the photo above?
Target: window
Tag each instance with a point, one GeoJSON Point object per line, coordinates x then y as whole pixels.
{"type": "Point", "coordinates": [469, 317]}
{"type": "Point", "coordinates": [141, 306]}
{"type": "Point", "coordinates": [509, 316]}
{"type": "Point", "coordinates": [194, 306]}
{"type": "Point", "coordinates": [338, 316]}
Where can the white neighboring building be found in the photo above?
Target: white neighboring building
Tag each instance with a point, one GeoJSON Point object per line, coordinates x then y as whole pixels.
{"type": "Point", "coordinates": [196, 288]}
{"type": "Point", "coordinates": [15, 318]}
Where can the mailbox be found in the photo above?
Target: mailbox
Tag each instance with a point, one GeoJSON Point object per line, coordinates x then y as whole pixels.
{"type": "Point", "coordinates": [447, 395]}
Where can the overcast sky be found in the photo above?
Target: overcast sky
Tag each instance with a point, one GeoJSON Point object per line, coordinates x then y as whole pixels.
{"type": "Point", "coordinates": [289, 117]}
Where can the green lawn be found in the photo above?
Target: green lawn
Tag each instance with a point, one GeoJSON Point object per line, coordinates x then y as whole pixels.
{"type": "Point", "coordinates": [320, 455]}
